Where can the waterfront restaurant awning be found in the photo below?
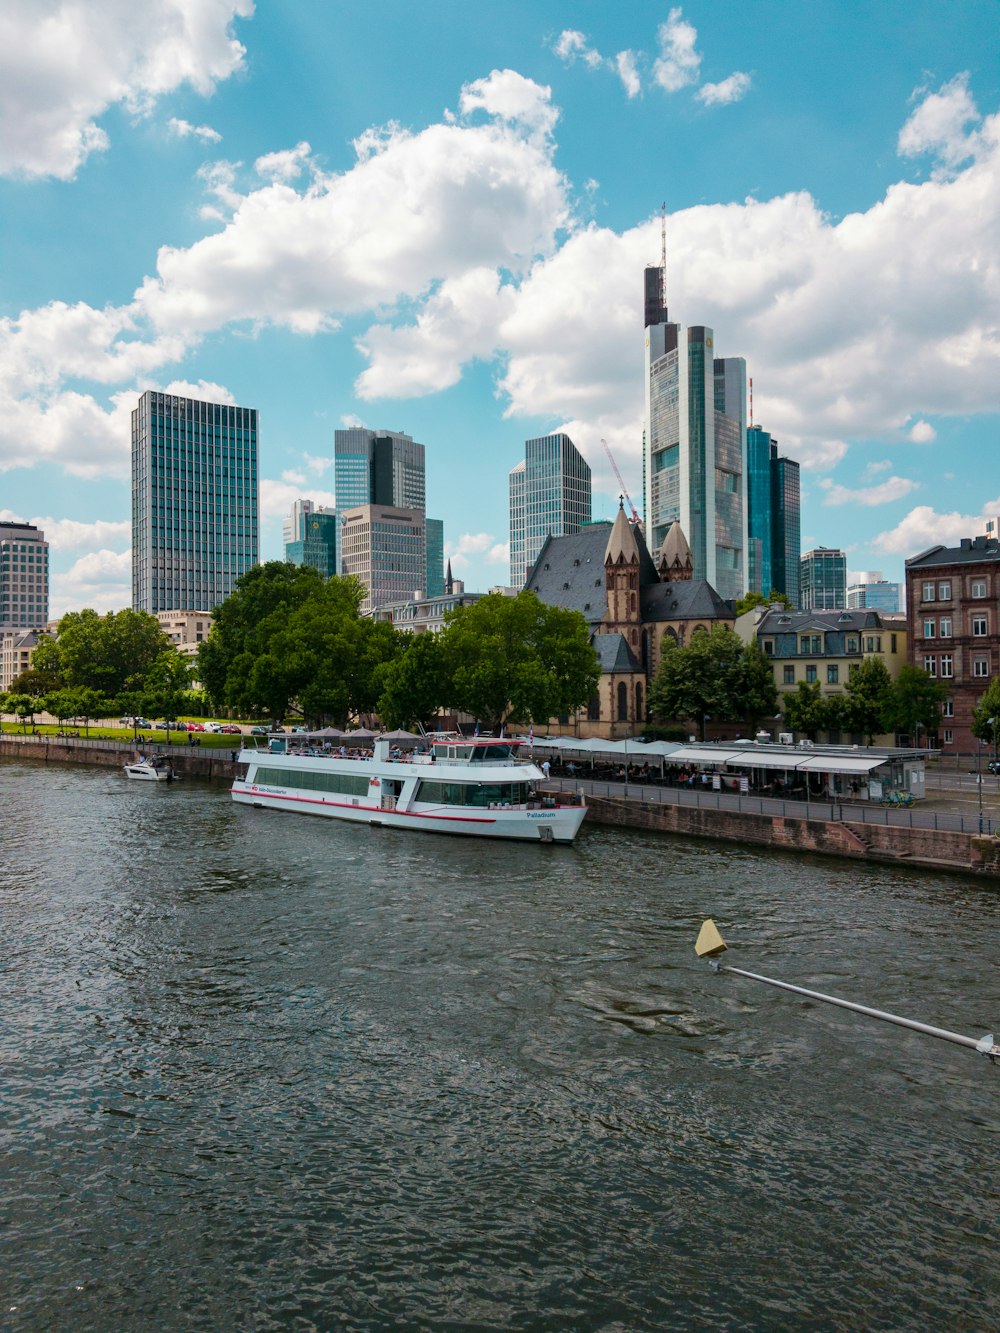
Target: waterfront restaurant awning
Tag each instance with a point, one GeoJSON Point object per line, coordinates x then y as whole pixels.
{"type": "Point", "coordinates": [704, 754]}
{"type": "Point", "coordinates": [846, 763]}
{"type": "Point", "coordinates": [793, 759]}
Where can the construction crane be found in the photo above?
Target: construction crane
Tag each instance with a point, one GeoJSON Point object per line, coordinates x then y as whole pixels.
{"type": "Point", "coordinates": [625, 495]}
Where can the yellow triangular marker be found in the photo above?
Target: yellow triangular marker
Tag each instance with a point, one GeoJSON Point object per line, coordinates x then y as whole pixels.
{"type": "Point", "coordinates": [710, 942]}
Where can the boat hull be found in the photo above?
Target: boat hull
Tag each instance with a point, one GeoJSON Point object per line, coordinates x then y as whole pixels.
{"type": "Point", "coordinates": [145, 773]}
{"type": "Point", "coordinates": [555, 824]}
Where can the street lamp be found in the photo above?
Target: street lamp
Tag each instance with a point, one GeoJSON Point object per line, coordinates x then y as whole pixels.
{"type": "Point", "coordinates": [979, 778]}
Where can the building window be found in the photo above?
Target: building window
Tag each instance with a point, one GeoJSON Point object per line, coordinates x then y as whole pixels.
{"type": "Point", "coordinates": [946, 670]}
{"type": "Point", "coordinates": [944, 627]}
{"type": "Point", "coordinates": [789, 676]}
{"type": "Point", "coordinates": [944, 592]}
{"type": "Point", "coordinates": [929, 629]}
{"type": "Point", "coordinates": [949, 736]}
{"type": "Point", "coordinates": [622, 702]}
{"type": "Point", "coordinates": [928, 592]}
{"type": "Point", "coordinates": [833, 675]}
{"type": "Point", "coordinates": [979, 587]}
{"type": "Point", "coordinates": [852, 643]}
{"type": "Point", "coordinates": [948, 708]}
{"type": "Point", "coordinates": [769, 647]}
{"type": "Point", "coordinates": [810, 674]}
{"type": "Point", "coordinates": [979, 627]}
{"type": "Point", "coordinates": [594, 708]}
{"type": "Point", "coordinates": [980, 666]}
{"type": "Point", "coordinates": [930, 665]}
{"type": "Point", "coordinates": [873, 643]}
{"type": "Point", "coordinates": [892, 643]}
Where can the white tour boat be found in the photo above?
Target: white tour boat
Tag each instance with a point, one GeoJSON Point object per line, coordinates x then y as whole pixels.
{"type": "Point", "coordinates": [156, 769]}
{"type": "Point", "coordinates": [473, 787]}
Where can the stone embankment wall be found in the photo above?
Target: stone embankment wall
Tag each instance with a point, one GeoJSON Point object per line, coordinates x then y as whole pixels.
{"type": "Point", "coordinates": [937, 849]}
{"type": "Point", "coordinates": [186, 762]}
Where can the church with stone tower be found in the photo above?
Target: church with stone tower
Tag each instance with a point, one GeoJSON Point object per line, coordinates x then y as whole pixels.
{"type": "Point", "coordinates": [631, 603]}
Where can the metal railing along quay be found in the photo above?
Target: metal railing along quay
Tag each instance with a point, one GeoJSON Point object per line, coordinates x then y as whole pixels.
{"type": "Point", "coordinates": [833, 812]}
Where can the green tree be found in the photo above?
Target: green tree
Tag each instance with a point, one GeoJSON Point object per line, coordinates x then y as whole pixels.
{"type": "Point", "coordinates": [805, 709]}
{"type": "Point", "coordinates": [34, 682]}
{"type": "Point", "coordinates": [24, 706]}
{"type": "Point", "coordinates": [706, 679]}
{"type": "Point", "coordinates": [758, 694]}
{"type": "Point", "coordinates": [985, 723]}
{"type": "Point", "coordinates": [516, 659]}
{"type": "Point", "coordinates": [751, 599]}
{"type": "Point", "coordinates": [415, 684]}
{"type": "Point", "coordinates": [110, 654]}
{"type": "Point", "coordinates": [867, 698]}
{"type": "Point", "coordinates": [164, 691]}
{"type": "Point", "coordinates": [914, 701]}
{"type": "Point", "coordinates": [243, 630]}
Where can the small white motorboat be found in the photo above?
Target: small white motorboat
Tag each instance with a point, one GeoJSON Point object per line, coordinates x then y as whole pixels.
{"type": "Point", "coordinates": [156, 769]}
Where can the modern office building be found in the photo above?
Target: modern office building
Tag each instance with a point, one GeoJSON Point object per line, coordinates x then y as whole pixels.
{"type": "Point", "coordinates": [24, 577]}
{"type": "Point", "coordinates": [823, 580]}
{"type": "Point", "coordinates": [873, 591]}
{"type": "Point", "coordinates": [311, 537]}
{"type": "Point", "coordinates": [550, 495]}
{"type": "Point", "coordinates": [194, 501]}
{"type": "Point", "coordinates": [386, 548]}
{"type": "Point", "coordinates": [952, 601]}
{"type": "Point", "coordinates": [186, 630]}
{"type": "Point", "coordinates": [695, 448]}
{"type": "Point", "coordinates": [378, 467]}
{"type": "Point", "coordinates": [773, 507]}
{"type": "Point", "coordinates": [434, 584]}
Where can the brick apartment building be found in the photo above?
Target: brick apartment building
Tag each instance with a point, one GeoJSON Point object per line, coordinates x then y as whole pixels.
{"type": "Point", "coordinates": [953, 609]}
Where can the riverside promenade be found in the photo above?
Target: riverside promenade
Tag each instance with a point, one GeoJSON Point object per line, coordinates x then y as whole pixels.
{"type": "Point", "coordinates": [938, 834]}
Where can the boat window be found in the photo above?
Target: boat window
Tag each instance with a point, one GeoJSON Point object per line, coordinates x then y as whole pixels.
{"type": "Point", "coordinates": [479, 794]}
{"type": "Point", "coordinates": [341, 784]}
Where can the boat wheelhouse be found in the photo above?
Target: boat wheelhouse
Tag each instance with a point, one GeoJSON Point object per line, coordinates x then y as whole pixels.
{"type": "Point", "coordinates": [478, 788]}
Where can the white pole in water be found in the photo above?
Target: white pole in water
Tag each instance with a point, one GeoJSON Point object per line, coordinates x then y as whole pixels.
{"type": "Point", "coordinates": [711, 944]}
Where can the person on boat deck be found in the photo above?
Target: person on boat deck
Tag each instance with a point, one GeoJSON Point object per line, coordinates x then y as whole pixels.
{"type": "Point", "coordinates": [545, 767]}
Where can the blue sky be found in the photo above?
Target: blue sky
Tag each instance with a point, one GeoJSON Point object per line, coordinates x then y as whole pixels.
{"type": "Point", "coordinates": [435, 219]}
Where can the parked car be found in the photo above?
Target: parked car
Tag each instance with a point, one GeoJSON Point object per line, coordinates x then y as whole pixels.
{"type": "Point", "coordinates": [994, 765]}
{"type": "Point", "coordinates": [215, 728]}
{"type": "Point", "coordinates": [298, 731]}
{"type": "Point", "coordinates": [196, 726]}
{"type": "Point", "coordinates": [231, 729]}
{"type": "Point", "coordinates": [134, 721]}
{"type": "Point", "coordinates": [260, 731]}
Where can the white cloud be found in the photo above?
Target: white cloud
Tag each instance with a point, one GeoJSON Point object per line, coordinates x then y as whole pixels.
{"type": "Point", "coordinates": [938, 126]}
{"type": "Point", "coordinates": [733, 89]}
{"type": "Point", "coordinates": [678, 63]}
{"type": "Point", "coordinates": [101, 580]}
{"type": "Point", "coordinates": [284, 166]}
{"type": "Point", "coordinates": [508, 96]}
{"type": "Point", "coordinates": [922, 432]}
{"type": "Point", "coordinates": [627, 71]}
{"type": "Point", "coordinates": [63, 64]}
{"type": "Point", "coordinates": [67, 534]}
{"type": "Point", "coordinates": [893, 488]}
{"type": "Point", "coordinates": [183, 129]}
{"type": "Point", "coordinates": [481, 547]}
{"type": "Point", "coordinates": [875, 469]}
{"type": "Point", "coordinates": [572, 45]}
{"type": "Point", "coordinates": [924, 526]}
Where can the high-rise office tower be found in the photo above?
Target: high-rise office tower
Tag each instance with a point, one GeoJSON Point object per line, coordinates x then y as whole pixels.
{"type": "Point", "coordinates": [786, 526]}
{"type": "Point", "coordinates": [772, 517]}
{"type": "Point", "coordinates": [386, 548]}
{"type": "Point", "coordinates": [823, 580]}
{"type": "Point", "coordinates": [694, 443]}
{"type": "Point", "coordinates": [550, 494]}
{"type": "Point", "coordinates": [194, 501]}
{"type": "Point", "coordinates": [24, 577]}
{"type": "Point", "coordinates": [310, 534]}
{"type": "Point", "coordinates": [434, 585]}
{"type": "Point", "coordinates": [378, 467]}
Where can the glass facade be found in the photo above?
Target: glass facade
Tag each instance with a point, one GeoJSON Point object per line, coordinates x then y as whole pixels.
{"type": "Point", "coordinates": [378, 467]}
{"type": "Point", "coordinates": [24, 577]}
{"type": "Point", "coordinates": [786, 526]}
{"type": "Point", "coordinates": [194, 501]}
{"type": "Point", "coordinates": [315, 541]}
{"type": "Point", "coordinates": [386, 548]}
{"type": "Point", "coordinates": [823, 580]}
{"type": "Point", "coordinates": [434, 582]}
{"type": "Point", "coordinates": [760, 565]}
{"type": "Point", "coordinates": [550, 493]}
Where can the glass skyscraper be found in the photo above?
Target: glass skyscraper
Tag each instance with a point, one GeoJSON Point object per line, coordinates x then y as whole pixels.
{"type": "Point", "coordinates": [311, 537]}
{"type": "Point", "coordinates": [194, 501]}
{"type": "Point", "coordinates": [434, 586]}
{"type": "Point", "coordinates": [786, 526]}
{"type": "Point", "coordinates": [550, 493]}
{"type": "Point", "coordinates": [773, 504]}
{"type": "Point", "coordinates": [695, 446]}
{"type": "Point", "coordinates": [378, 467]}
{"type": "Point", "coordinates": [823, 580]}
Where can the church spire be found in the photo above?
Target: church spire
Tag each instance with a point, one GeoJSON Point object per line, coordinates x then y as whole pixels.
{"type": "Point", "coordinates": [621, 548]}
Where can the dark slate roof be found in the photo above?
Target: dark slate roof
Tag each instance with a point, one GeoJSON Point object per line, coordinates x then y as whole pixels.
{"type": "Point", "coordinates": [569, 571]}
{"type": "Point", "coordinates": [971, 551]}
{"type": "Point", "coordinates": [793, 622]}
{"type": "Point", "coordinates": [613, 653]}
{"type": "Point", "coordinates": [688, 599]}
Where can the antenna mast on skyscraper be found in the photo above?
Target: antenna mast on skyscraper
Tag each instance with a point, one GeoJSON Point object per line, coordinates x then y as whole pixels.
{"type": "Point", "coordinates": [751, 400]}
{"type": "Point", "coordinates": [663, 256]}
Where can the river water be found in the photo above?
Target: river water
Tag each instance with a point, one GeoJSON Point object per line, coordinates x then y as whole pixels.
{"type": "Point", "coordinates": [264, 1071]}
